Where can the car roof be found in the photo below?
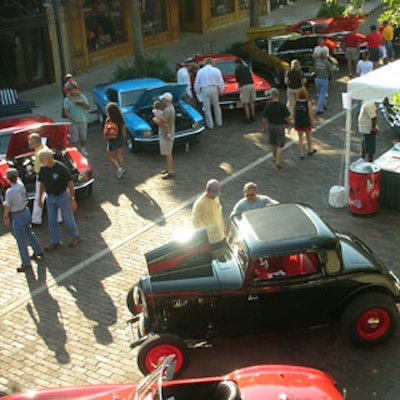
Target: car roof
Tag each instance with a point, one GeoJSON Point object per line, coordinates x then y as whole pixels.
{"type": "Point", "coordinates": [283, 228]}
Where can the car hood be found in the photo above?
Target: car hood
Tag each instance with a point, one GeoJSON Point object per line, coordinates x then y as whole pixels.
{"type": "Point", "coordinates": [149, 95]}
{"type": "Point", "coordinates": [285, 382]}
{"type": "Point", "coordinates": [55, 133]}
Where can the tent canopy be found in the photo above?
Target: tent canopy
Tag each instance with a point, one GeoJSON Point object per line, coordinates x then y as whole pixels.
{"type": "Point", "coordinates": [377, 84]}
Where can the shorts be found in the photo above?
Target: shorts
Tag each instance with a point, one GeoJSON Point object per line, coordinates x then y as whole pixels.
{"type": "Point", "coordinates": [247, 93]}
{"type": "Point", "coordinates": [166, 146]}
{"type": "Point", "coordinates": [77, 132]}
{"type": "Point", "coordinates": [276, 135]}
{"type": "Point", "coordinates": [114, 144]}
{"type": "Point", "coordinates": [369, 143]}
{"type": "Point", "coordinates": [352, 53]}
{"type": "Point", "coordinates": [374, 54]}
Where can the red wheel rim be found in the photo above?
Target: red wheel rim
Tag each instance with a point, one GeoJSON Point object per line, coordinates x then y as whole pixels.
{"type": "Point", "coordinates": [158, 353]}
{"type": "Point", "coordinates": [373, 324]}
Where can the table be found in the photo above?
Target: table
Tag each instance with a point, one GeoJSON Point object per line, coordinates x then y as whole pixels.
{"type": "Point", "coordinates": [389, 164]}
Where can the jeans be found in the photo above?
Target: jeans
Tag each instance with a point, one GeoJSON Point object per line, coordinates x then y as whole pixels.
{"type": "Point", "coordinates": [24, 234]}
{"type": "Point", "coordinates": [389, 50]}
{"type": "Point", "coordinates": [322, 85]}
{"type": "Point", "coordinates": [60, 202]}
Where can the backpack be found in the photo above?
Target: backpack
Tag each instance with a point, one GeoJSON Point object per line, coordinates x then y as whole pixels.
{"type": "Point", "coordinates": [110, 130]}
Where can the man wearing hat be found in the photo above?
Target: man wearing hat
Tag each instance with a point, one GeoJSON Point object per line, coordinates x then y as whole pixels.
{"type": "Point", "coordinates": [56, 181]}
{"type": "Point", "coordinates": [166, 132]}
{"type": "Point", "coordinates": [15, 204]}
{"type": "Point", "coordinates": [207, 212]}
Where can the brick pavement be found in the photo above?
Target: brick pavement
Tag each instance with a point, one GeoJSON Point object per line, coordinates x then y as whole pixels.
{"type": "Point", "coordinates": [70, 312]}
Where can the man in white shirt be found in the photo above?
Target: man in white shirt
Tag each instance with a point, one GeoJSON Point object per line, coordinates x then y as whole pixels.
{"type": "Point", "coordinates": [208, 85]}
{"type": "Point", "coordinates": [183, 76]}
{"type": "Point", "coordinates": [321, 48]}
{"type": "Point", "coordinates": [368, 127]}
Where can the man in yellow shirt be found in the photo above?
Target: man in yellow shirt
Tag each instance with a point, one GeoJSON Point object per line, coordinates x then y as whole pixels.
{"type": "Point", "coordinates": [387, 36]}
{"type": "Point", "coordinates": [207, 212]}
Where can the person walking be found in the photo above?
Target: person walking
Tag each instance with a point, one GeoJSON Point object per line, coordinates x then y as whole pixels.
{"type": "Point", "coordinates": [323, 72]}
{"type": "Point", "coordinates": [304, 121]}
{"type": "Point", "coordinates": [352, 50]}
{"type": "Point", "coordinates": [320, 48]}
{"type": "Point", "coordinates": [115, 146]}
{"type": "Point", "coordinates": [367, 125]}
{"type": "Point", "coordinates": [387, 36]}
{"type": "Point", "coordinates": [275, 117]}
{"type": "Point", "coordinates": [166, 132]}
{"type": "Point", "coordinates": [15, 203]}
{"type": "Point", "coordinates": [75, 104]}
{"type": "Point", "coordinates": [244, 79]}
{"type": "Point", "coordinates": [208, 84]}
{"type": "Point", "coordinates": [35, 141]}
{"type": "Point", "coordinates": [251, 200]}
{"type": "Point", "coordinates": [56, 181]}
{"type": "Point", "coordinates": [207, 212]}
{"type": "Point", "coordinates": [373, 42]}
{"type": "Point", "coordinates": [294, 80]}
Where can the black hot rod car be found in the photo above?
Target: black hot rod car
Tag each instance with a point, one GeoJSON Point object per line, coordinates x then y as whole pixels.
{"type": "Point", "coordinates": [283, 268]}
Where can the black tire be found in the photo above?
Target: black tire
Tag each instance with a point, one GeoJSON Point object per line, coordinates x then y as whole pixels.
{"type": "Point", "coordinates": [101, 117]}
{"type": "Point", "coordinates": [156, 347]}
{"type": "Point", "coordinates": [130, 302]}
{"type": "Point", "coordinates": [370, 319]}
{"type": "Point", "coordinates": [89, 190]}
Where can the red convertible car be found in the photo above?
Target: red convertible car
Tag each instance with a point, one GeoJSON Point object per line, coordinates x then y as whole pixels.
{"type": "Point", "coordinates": [251, 383]}
{"type": "Point", "coordinates": [230, 97]}
{"type": "Point", "coordinates": [15, 152]}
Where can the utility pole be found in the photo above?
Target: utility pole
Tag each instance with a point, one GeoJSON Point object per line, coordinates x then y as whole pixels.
{"type": "Point", "coordinates": [137, 30]}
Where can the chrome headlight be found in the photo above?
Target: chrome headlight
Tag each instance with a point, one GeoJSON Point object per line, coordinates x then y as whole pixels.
{"type": "Point", "coordinates": [83, 177]}
{"type": "Point", "coordinates": [196, 124]}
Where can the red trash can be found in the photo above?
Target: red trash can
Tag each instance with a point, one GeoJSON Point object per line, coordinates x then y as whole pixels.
{"type": "Point", "coordinates": [364, 187]}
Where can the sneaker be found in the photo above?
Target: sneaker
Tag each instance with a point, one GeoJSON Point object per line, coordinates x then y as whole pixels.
{"type": "Point", "coordinates": [53, 246]}
{"type": "Point", "coordinates": [74, 242]}
{"type": "Point", "coordinates": [169, 175]}
{"type": "Point", "coordinates": [24, 268]}
{"type": "Point", "coordinates": [164, 171]}
{"type": "Point", "coordinates": [120, 173]}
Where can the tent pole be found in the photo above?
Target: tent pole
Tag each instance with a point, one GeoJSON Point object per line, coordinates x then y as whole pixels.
{"type": "Point", "coordinates": [347, 151]}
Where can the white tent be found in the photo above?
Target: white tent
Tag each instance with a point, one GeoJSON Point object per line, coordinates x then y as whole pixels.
{"type": "Point", "coordinates": [374, 86]}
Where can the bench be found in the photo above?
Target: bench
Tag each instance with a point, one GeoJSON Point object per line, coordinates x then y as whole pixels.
{"type": "Point", "coordinates": [10, 105]}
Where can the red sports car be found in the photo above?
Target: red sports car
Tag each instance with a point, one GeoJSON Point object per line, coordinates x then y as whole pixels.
{"type": "Point", "coordinates": [230, 97]}
{"type": "Point", "coordinates": [252, 383]}
{"type": "Point", "coordinates": [327, 25]}
{"type": "Point", "coordinates": [15, 152]}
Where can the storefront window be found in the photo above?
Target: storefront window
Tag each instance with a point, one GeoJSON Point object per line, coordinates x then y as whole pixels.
{"type": "Point", "coordinates": [104, 24]}
{"type": "Point", "coordinates": [244, 4]}
{"type": "Point", "coordinates": [152, 14]}
{"type": "Point", "coordinates": [221, 7]}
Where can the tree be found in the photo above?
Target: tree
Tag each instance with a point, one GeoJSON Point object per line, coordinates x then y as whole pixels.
{"type": "Point", "coordinates": [254, 13]}
{"type": "Point", "coordinates": [137, 30]}
{"type": "Point", "coordinates": [391, 10]}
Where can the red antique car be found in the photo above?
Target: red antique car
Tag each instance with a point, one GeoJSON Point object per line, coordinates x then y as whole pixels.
{"type": "Point", "coordinates": [15, 152]}
{"type": "Point", "coordinates": [251, 383]}
{"type": "Point", "coordinates": [230, 97]}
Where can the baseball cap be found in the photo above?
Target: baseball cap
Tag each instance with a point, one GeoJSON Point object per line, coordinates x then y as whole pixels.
{"type": "Point", "coordinates": [213, 187]}
{"type": "Point", "coordinates": [68, 76]}
{"type": "Point", "coordinates": [11, 172]}
{"type": "Point", "coordinates": [166, 96]}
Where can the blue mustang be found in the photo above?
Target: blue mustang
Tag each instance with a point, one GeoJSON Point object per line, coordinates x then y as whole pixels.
{"type": "Point", "coordinates": [135, 98]}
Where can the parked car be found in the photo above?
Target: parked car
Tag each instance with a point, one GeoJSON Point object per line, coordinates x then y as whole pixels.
{"type": "Point", "coordinates": [250, 383]}
{"type": "Point", "coordinates": [390, 114]}
{"type": "Point", "coordinates": [135, 98]}
{"type": "Point", "coordinates": [336, 42]}
{"type": "Point", "coordinates": [15, 152]}
{"type": "Point", "coordinates": [230, 98]}
{"type": "Point", "coordinates": [273, 56]}
{"type": "Point", "coordinates": [327, 25]}
{"type": "Point", "coordinates": [284, 268]}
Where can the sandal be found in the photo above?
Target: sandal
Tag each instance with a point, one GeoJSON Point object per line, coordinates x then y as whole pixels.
{"type": "Point", "coordinates": [313, 151]}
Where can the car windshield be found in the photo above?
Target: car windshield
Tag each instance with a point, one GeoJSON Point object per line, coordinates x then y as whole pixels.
{"type": "Point", "coordinates": [151, 386]}
{"type": "Point", "coordinates": [4, 141]}
{"type": "Point", "coordinates": [129, 98]}
{"type": "Point", "coordinates": [226, 67]}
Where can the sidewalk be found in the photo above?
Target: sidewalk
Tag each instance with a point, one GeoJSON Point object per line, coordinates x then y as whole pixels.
{"type": "Point", "coordinates": [49, 99]}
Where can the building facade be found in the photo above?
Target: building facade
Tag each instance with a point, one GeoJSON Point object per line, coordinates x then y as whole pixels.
{"type": "Point", "coordinates": [95, 32]}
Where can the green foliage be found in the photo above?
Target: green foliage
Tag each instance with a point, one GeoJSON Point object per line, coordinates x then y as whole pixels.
{"type": "Point", "coordinates": [237, 50]}
{"type": "Point", "coordinates": [330, 9]}
{"type": "Point", "coordinates": [142, 67]}
{"type": "Point", "coordinates": [395, 100]}
{"type": "Point", "coordinates": [391, 10]}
